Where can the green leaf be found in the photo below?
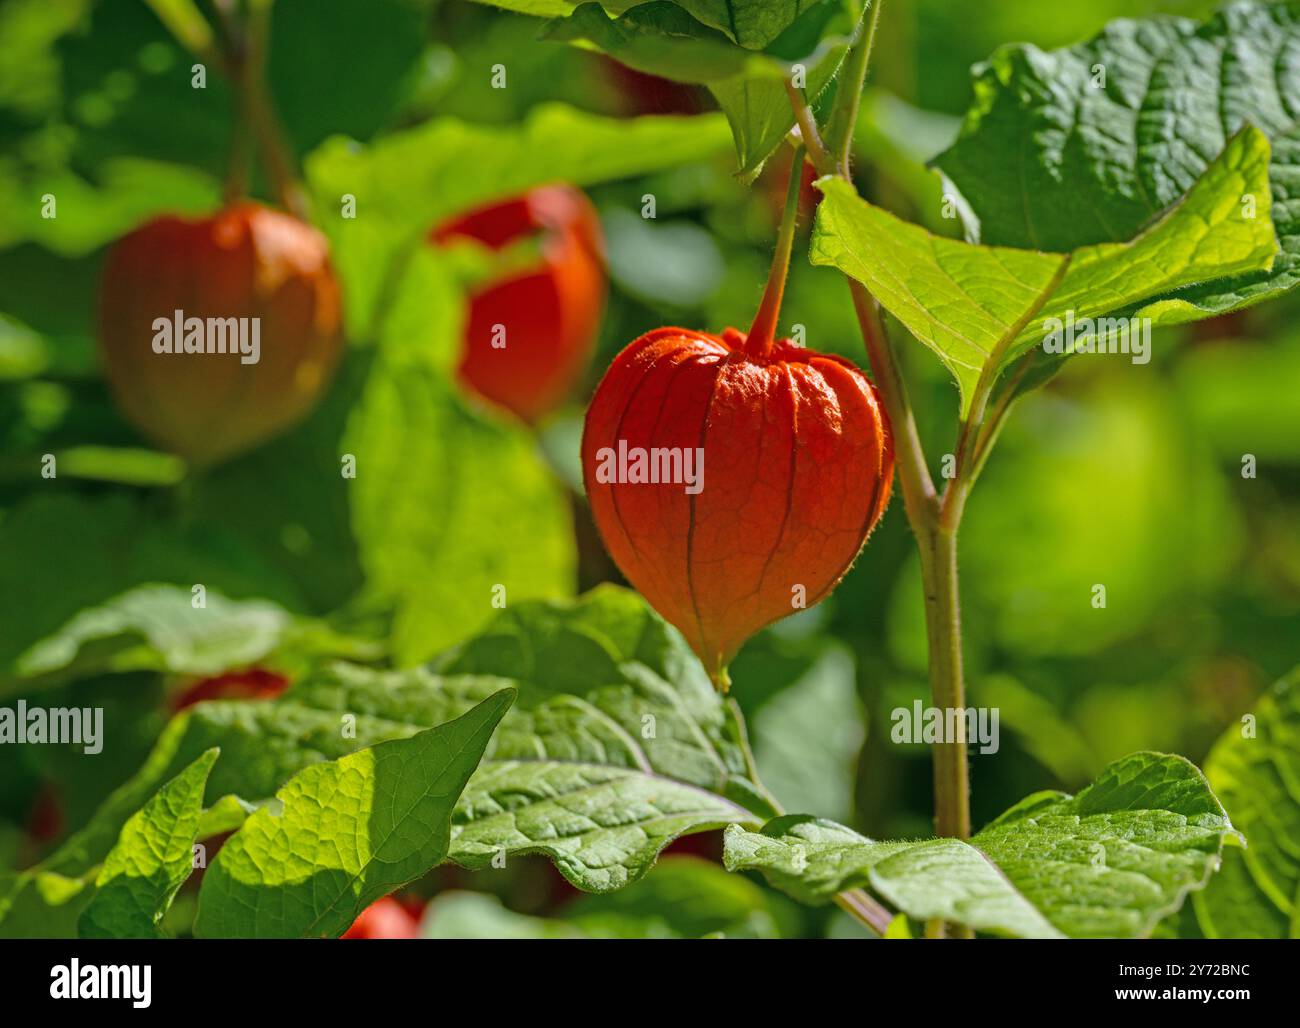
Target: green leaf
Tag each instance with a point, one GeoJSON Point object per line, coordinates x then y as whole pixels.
{"type": "Point", "coordinates": [42, 904]}
{"type": "Point", "coordinates": [813, 859]}
{"type": "Point", "coordinates": [1122, 854]}
{"type": "Point", "coordinates": [455, 914]}
{"type": "Point", "coordinates": [664, 39]}
{"type": "Point", "coordinates": [661, 39]}
{"type": "Point", "coordinates": [1053, 158]}
{"type": "Point", "coordinates": [1255, 769]}
{"type": "Point", "coordinates": [605, 687]}
{"type": "Point", "coordinates": [683, 897]}
{"type": "Point", "coordinates": [344, 833]}
{"type": "Point", "coordinates": [750, 23]}
{"type": "Point", "coordinates": [151, 860]}
{"type": "Point", "coordinates": [604, 680]}
{"type": "Point", "coordinates": [157, 627]}
{"type": "Point", "coordinates": [90, 214]}
{"type": "Point", "coordinates": [438, 486]}
{"type": "Point", "coordinates": [796, 690]}
{"type": "Point", "coordinates": [61, 553]}
{"type": "Point", "coordinates": [408, 182]}
{"type": "Point", "coordinates": [979, 308]}
{"type": "Point", "coordinates": [1110, 862]}
{"type": "Point", "coordinates": [602, 826]}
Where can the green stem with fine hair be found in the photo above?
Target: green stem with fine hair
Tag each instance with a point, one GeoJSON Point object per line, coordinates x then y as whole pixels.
{"type": "Point", "coordinates": [934, 519]}
{"type": "Point", "coordinates": [758, 343]}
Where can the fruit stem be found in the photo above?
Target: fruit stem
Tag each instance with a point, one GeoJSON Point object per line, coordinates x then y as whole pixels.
{"type": "Point", "coordinates": [758, 343]}
{"type": "Point", "coordinates": [270, 136]}
{"type": "Point", "coordinates": [239, 50]}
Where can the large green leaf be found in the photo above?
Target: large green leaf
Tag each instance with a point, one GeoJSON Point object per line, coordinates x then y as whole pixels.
{"type": "Point", "coordinates": [750, 23]}
{"type": "Point", "coordinates": [977, 306]}
{"type": "Point", "coordinates": [796, 689]}
{"type": "Point", "coordinates": [151, 860]}
{"type": "Point", "coordinates": [1119, 856]}
{"type": "Point", "coordinates": [1255, 769]}
{"type": "Point", "coordinates": [61, 554]}
{"type": "Point", "coordinates": [407, 182]}
{"type": "Point", "coordinates": [344, 833]}
{"type": "Point", "coordinates": [454, 914]}
{"type": "Point", "coordinates": [606, 688]}
{"type": "Point", "coordinates": [438, 486]}
{"type": "Point", "coordinates": [605, 680]}
{"type": "Point", "coordinates": [664, 39]}
{"type": "Point", "coordinates": [159, 628]}
{"type": "Point", "coordinates": [602, 826]}
{"type": "Point", "coordinates": [41, 904]}
{"type": "Point", "coordinates": [1086, 144]}
{"type": "Point", "coordinates": [90, 214]}
{"type": "Point", "coordinates": [1109, 862]}
{"type": "Point", "coordinates": [813, 859]}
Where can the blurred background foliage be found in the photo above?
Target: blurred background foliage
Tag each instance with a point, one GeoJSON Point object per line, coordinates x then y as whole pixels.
{"type": "Point", "coordinates": [1116, 474]}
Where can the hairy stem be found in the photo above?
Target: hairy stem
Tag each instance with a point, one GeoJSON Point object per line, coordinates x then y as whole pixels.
{"type": "Point", "coordinates": [943, 633]}
{"type": "Point", "coordinates": [919, 496]}
{"type": "Point", "coordinates": [844, 115]}
{"type": "Point", "coordinates": [859, 904]}
{"type": "Point", "coordinates": [935, 538]}
{"type": "Point", "coordinates": [758, 343]}
{"type": "Point", "coordinates": [808, 133]}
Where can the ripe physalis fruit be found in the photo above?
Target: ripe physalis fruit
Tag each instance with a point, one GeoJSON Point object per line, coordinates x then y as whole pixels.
{"type": "Point", "coordinates": [219, 332]}
{"type": "Point", "coordinates": [531, 333]}
{"type": "Point", "coordinates": [251, 684]}
{"type": "Point", "coordinates": [386, 918]}
{"type": "Point", "coordinates": [734, 478]}
{"type": "Point", "coordinates": [733, 487]}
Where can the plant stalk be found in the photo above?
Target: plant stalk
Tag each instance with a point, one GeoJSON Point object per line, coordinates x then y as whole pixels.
{"type": "Point", "coordinates": [803, 118]}
{"type": "Point", "coordinates": [947, 686]}
{"type": "Point", "coordinates": [758, 343]}
{"type": "Point", "coordinates": [844, 115]}
{"type": "Point", "coordinates": [936, 540]}
{"type": "Point", "coordinates": [919, 497]}
{"type": "Point", "coordinates": [859, 905]}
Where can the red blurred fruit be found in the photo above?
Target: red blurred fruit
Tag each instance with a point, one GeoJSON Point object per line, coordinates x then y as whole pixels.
{"type": "Point", "coordinates": [550, 313]}
{"type": "Point", "coordinates": [387, 918]}
{"type": "Point", "coordinates": [251, 684]}
{"type": "Point", "coordinates": [641, 93]}
{"type": "Point", "coordinates": [246, 261]}
{"type": "Point", "coordinates": [45, 821]}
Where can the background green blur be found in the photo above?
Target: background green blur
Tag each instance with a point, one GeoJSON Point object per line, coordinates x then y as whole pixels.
{"type": "Point", "coordinates": [1116, 474]}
